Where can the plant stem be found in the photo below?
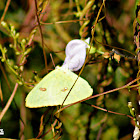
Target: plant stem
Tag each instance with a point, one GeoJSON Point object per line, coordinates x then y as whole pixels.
{"type": "Point", "coordinates": [9, 102]}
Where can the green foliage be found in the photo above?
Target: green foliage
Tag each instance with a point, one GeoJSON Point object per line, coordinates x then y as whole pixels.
{"type": "Point", "coordinates": [23, 47]}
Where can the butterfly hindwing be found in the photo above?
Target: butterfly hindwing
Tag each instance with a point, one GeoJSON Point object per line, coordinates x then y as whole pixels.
{"type": "Point", "coordinates": [54, 87]}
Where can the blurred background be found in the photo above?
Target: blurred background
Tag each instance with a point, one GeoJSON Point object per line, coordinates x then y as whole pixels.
{"type": "Point", "coordinates": [62, 21]}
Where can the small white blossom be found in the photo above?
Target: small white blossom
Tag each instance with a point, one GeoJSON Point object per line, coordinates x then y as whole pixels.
{"type": "Point", "coordinates": [75, 54]}
{"type": "Point", "coordinates": [136, 133]}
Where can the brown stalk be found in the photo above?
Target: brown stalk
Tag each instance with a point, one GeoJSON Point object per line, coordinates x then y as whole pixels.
{"type": "Point", "coordinates": [8, 102]}
{"type": "Point", "coordinates": [5, 10]}
{"type": "Point", "coordinates": [97, 95]}
{"type": "Point", "coordinates": [41, 34]}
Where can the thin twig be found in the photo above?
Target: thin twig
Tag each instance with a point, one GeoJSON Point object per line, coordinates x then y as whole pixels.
{"type": "Point", "coordinates": [138, 46]}
{"type": "Point", "coordinates": [113, 47]}
{"type": "Point", "coordinates": [109, 111]}
{"type": "Point", "coordinates": [54, 123]}
{"type": "Point", "coordinates": [97, 95]}
{"type": "Point", "coordinates": [9, 102]}
{"type": "Point", "coordinates": [61, 22]}
{"type": "Point", "coordinates": [41, 34]}
{"type": "Point", "coordinates": [1, 97]}
{"type": "Point", "coordinates": [100, 131]}
{"type": "Point", "coordinates": [4, 74]}
{"type": "Point", "coordinates": [52, 59]}
{"type": "Point", "coordinates": [23, 119]}
{"type": "Point", "coordinates": [5, 10]}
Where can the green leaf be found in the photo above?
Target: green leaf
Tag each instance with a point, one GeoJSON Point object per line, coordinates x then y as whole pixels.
{"type": "Point", "coordinates": [137, 2]}
{"type": "Point", "coordinates": [54, 87]}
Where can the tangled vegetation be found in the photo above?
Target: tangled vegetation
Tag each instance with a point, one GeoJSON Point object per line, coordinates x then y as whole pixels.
{"type": "Point", "coordinates": [33, 37]}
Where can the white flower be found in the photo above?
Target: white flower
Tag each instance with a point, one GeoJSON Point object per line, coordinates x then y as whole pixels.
{"type": "Point", "coordinates": [136, 133]}
{"type": "Point", "coordinates": [75, 54]}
